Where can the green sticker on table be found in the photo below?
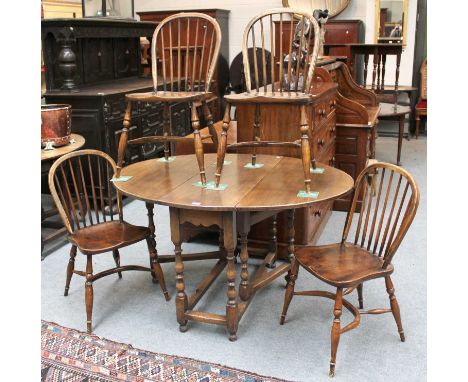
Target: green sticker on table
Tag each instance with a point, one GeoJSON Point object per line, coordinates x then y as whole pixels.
{"type": "Point", "coordinates": [318, 170]}
{"type": "Point", "coordinates": [211, 185]}
{"type": "Point", "coordinates": [305, 194]}
{"type": "Point", "coordinates": [257, 165]}
{"type": "Point", "coordinates": [163, 159]}
{"type": "Point", "coordinates": [125, 178]}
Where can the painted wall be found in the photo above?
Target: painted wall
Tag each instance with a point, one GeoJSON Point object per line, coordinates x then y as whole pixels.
{"type": "Point", "coordinates": [243, 10]}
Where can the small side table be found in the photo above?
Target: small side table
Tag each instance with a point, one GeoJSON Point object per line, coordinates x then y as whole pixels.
{"type": "Point", "coordinates": [47, 158]}
{"type": "Point", "coordinates": [391, 111]}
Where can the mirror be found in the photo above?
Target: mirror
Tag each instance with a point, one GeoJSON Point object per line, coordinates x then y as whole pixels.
{"type": "Point", "coordinates": [390, 21]}
{"type": "Point", "coordinates": [334, 6]}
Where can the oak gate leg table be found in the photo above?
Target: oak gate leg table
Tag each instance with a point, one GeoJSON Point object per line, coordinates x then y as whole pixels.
{"type": "Point", "coordinates": [246, 197]}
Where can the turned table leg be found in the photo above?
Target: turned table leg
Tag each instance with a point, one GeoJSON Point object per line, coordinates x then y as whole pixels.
{"type": "Point", "coordinates": [400, 138]}
{"type": "Point", "coordinates": [232, 311]}
{"type": "Point", "coordinates": [181, 297]}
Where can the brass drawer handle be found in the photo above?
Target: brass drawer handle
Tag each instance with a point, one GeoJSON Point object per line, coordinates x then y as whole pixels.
{"type": "Point", "coordinates": [332, 129]}
{"type": "Point", "coordinates": [318, 213]}
{"type": "Point", "coordinates": [321, 142]}
{"type": "Point", "coordinates": [332, 103]}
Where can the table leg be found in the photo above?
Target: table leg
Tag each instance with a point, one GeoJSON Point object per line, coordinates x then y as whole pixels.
{"type": "Point", "coordinates": [400, 138]}
{"type": "Point", "coordinates": [181, 298]}
{"type": "Point", "coordinates": [291, 234]}
{"type": "Point", "coordinates": [232, 311]}
{"type": "Point", "coordinates": [244, 290]}
{"type": "Point", "coordinates": [273, 244]}
{"type": "Point", "coordinates": [152, 237]}
{"type": "Point", "coordinates": [418, 121]}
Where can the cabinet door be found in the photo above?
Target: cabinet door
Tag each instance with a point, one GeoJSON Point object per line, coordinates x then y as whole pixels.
{"type": "Point", "coordinates": [99, 62]}
{"type": "Point", "coordinates": [152, 124]}
{"type": "Point", "coordinates": [126, 57]}
{"type": "Point", "coordinates": [180, 119]}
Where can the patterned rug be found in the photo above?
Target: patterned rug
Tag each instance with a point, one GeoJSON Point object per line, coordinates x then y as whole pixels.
{"type": "Point", "coordinates": [73, 356]}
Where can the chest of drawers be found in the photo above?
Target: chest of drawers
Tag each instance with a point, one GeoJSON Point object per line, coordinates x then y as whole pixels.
{"type": "Point", "coordinates": [281, 123]}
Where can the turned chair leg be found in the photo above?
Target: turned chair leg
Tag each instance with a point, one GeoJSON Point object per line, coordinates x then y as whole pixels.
{"type": "Point", "coordinates": [156, 267]}
{"type": "Point", "coordinates": [198, 143]}
{"type": "Point", "coordinates": [394, 306]}
{"type": "Point", "coordinates": [116, 255]}
{"type": "Point", "coordinates": [89, 294]}
{"type": "Point", "coordinates": [70, 269]}
{"type": "Point", "coordinates": [221, 154]}
{"type": "Point", "coordinates": [209, 123]}
{"type": "Point", "coordinates": [288, 295]}
{"type": "Point", "coordinates": [336, 329]}
{"type": "Point", "coordinates": [360, 298]}
{"type": "Point", "coordinates": [305, 149]}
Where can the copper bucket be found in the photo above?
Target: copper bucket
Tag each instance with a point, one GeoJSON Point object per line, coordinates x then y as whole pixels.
{"type": "Point", "coordinates": [55, 124]}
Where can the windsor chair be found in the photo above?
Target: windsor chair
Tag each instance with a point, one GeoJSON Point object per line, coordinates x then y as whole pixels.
{"type": "Point", "coordinates": [72, 178]}
{"type": "Point", "coordinates": [288, 82]}
{"type": "Point", "coordinates": [347, 265]}
{"type": "Point", "coordinates": [186, 63]}
{"type": "Point", "coordinates": [421, 106]}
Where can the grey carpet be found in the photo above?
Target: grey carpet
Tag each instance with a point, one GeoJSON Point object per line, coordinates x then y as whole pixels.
{"type": "Point", "coordinates": [133, 310]}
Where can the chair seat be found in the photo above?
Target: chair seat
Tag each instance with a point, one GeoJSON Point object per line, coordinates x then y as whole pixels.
{"type": "Point", "coordinates": [269, 97]}
{"type": "Point", "coordinates": [162, 96]}
{"type": "Point", "coordinates": [342, 265]}
{"type": "Point", "coordinates": [421, 105]}
{"type": "Point", "coordinates": [107, 236]}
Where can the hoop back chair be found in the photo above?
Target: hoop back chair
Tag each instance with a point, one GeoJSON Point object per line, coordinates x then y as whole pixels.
{"type": "Point", "coordinates": [390, 198]}
{"type": "Point", "coordinates": [421, 106]}
{"type": "Point", "coordinates": [77, 191]}
{"type": "Point", "coordinates": [283, 85]}
{"type": "Point", "coordinates": [182, 66]}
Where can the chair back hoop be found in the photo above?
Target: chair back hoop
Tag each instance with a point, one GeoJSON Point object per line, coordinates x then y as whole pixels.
{"type": "Point", "coordinates": [390, 199]}
{"type": "Point", "coordinates": [423, 85]}
{"type": "Point", "coordinates": [194, 64]}
{"type": "Point", "coordinates": [304, 65]}
{"type": "Point", "coordinates": [76, 183]}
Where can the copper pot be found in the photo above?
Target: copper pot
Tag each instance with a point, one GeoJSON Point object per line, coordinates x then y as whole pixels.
{"type": "Point", "coordinates": [55, 124]}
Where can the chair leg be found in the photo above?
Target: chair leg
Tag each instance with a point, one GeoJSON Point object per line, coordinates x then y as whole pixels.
{"type": "Point", "coordinates": [222, 145]}
{"type": "Point", "coordinates": [89, 294]}
{"type": "Point", "coordinates": [116, 255]}
{"type": "Point", "coordinates": [336, 329]}
{"type": "Point", "coordinates": [156, 267]}
{"type": "Point", "coordinates": [394, 306]}
{"type": "Point", "coordinates": [305, 148]}
{"type": "Point", "coordinates": [70, 269]}
{"type": "Point", "coordinates": [209, 122]}
{"type": "Point", "coordinates": [256, 133]}
{"type": "Point", "coordinates": [288, 295]}
{"type": "Point", "coordinates": [418, 121]}
{"type": "Point", "coordinates": [360, 298]}
{"type": "Point", "coordinates": [167, 128]}
{"type": "Point", "coordinates": [198, 143]}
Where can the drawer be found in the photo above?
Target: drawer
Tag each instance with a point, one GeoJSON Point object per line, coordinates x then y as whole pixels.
{"type": "Point", "coordinates": [324, 137]}
{"type": "Point", "coordinates": [316, 214]}
{"type": "Point", "coordinates": [323, 110]}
